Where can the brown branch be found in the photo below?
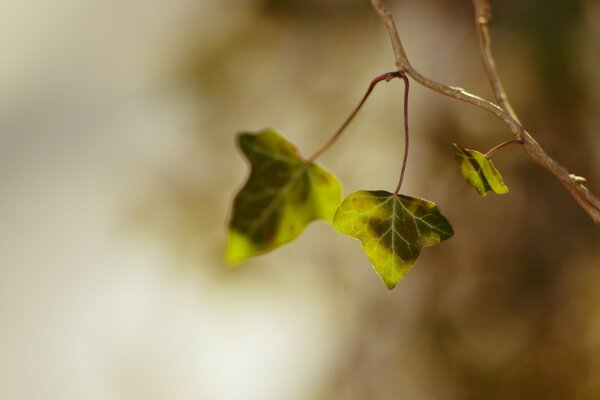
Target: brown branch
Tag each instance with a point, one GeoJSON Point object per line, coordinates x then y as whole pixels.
{"type": "Point", "coordinates": [483, 14]}
{"type": "Point", "coordinates": [580, 193]}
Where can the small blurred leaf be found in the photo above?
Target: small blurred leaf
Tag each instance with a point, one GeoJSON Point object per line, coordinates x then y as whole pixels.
{"type": "Point", "coordinates": [282, 195]}
{"type": "Point", "coordinates": [392, 229]}
{"type": "Point", "coordinates": [479, 171]}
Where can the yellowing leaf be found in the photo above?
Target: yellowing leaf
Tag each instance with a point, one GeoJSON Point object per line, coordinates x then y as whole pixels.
{"type": "Point", "coordinates": [479, 171]}
{"type": "Point", "coordinates": [392, 229]}
{"type": "Point", "coordinates": [282, 195]}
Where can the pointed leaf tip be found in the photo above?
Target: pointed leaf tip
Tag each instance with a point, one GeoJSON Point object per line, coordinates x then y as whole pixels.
{"type": "Point", "coordinates": [281, 196]}
{"type": "Point", "coordinates": [479, 171]}
{"type": "Point", "coordinates": [392, 229]}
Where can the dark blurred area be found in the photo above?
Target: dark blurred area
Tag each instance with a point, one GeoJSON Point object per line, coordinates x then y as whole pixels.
{"type": "Point", "coordinates": [506, 309]}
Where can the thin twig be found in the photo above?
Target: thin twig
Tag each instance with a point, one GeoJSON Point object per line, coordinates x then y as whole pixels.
{"type": "Point", "coordinates": [579, 192]}
{"type": "Point", "coordinates": [388, 76]}
{"type": "Point", "coordinates": [483, 14]}
{"type": "Point", "coordinates": [406, 136]}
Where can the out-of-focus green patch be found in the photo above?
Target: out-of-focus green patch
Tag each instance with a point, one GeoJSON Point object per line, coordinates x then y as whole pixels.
{"type": "Point", "coordinates": [392, 229]}
{"type": "Point", "coordinates": [479, 171]}
{"type": "Point", "coordinates": [282, 195]}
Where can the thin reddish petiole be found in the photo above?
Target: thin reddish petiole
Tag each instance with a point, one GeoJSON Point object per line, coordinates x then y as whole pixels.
{"type": "Point", "coordinates": [405, 159]}
{"type": "Point", "coordinates": [501, 145]}
{"type": "Point", "coordinates": [388, 76]}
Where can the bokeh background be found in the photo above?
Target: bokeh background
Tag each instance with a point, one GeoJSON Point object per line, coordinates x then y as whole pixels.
{"type": "Point", "coordinates": [118, 166]}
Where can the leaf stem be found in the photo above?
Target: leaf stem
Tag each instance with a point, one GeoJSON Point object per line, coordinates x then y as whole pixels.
{"type": "Point", "coordinates": [405, 159]}
{"type": "Point", "coordinates": [388, 76]}
{"type": "Point", "coordinates": [501, 145]}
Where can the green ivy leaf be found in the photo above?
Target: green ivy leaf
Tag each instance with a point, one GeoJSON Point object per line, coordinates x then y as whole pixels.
{"type": "Point", "coordinates": [479, 171]}
{"type": "Point", "coordinates": [392, 229]}
{"type": "Point", "coordinates": [282, 195]}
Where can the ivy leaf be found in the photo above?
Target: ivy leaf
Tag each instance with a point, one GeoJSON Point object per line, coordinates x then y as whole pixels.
{"type": "Point", "coordinates": [392, 229]}
{"type": "Point", "coordinates": [282, 195]}
{"type": "Point", "coordinates": [479, 171]}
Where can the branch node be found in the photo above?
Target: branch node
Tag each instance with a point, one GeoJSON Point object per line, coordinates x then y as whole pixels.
{"type": "Point", "coordinates": [578, 179]}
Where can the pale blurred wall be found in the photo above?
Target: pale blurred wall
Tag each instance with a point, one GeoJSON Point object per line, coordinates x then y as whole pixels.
{"type": "Point", "coordinates": [91, 122]}
{"type": "Point", "coordinates": [117, 123]}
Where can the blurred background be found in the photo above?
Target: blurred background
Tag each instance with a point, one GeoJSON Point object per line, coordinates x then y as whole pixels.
{"type": "Point", "coordinates": [118, 166]}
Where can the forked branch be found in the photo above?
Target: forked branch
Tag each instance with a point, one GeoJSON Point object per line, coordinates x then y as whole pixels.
{"type": "Point", "coordinates": [504, 110]}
